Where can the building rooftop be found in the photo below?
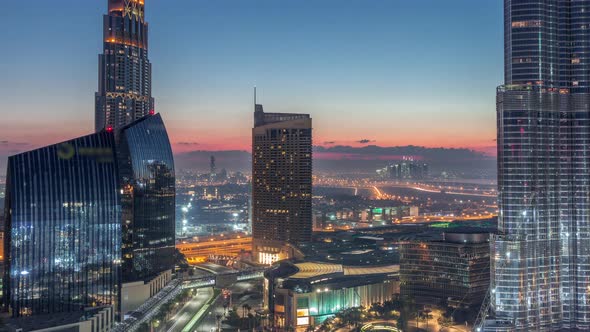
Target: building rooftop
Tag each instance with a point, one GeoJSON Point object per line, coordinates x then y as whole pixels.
{"type": "Point", "coordinates": [308, 276]}
{"type": "Point", "coordinates": [40, 322]}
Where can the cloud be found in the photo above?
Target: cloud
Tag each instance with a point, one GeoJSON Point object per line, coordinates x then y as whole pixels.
{"type": "Point", "coordinates": [329, 142]}
{"type": "Point", "coordinates": [187, 143]}
{"type": "Point", "coordinates": [365, 141]}
{"type": "Point", "coordinates": [6, 142]}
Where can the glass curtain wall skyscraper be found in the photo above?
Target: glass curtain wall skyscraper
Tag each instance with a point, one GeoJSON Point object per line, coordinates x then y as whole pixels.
{"type": "Point", "coordinates": [62, 228]}
{"type": "Point", "coordinates": [541, 255]}
{"type": "Point", "coordinates": [281, 182]}
{"type": "Point", "coordinates": [125, 73]}
{"type": "Point", "coordinates": [146, 168]}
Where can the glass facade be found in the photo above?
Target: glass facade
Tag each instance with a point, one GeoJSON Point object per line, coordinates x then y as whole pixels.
{"type": "Point", "coordinates": [454, 271]}
{"type": "Point", "coordinates": [281, 181]}
{"type": "Point", "coordinates": [148, 199]}
{"type": "Point", "coordinates": [125, 73]}
{"type": "Point", "coordinates": [63, 227]}
{"type": "Point", "coordinates": [541, 264]}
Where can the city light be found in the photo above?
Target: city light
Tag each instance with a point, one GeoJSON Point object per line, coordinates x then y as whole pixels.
{"type": "Point", "coordinates": [377, 186]}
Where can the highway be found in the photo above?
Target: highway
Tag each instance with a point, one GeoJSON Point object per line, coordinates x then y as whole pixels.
{"type": "Point", "coordinates": [179, 321]}
{"type": "Point", "coordinates": [209, 321]}
{"type": "Point", "coordinates": [374, 189]}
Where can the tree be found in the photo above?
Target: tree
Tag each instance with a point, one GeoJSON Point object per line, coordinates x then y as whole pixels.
{"type": "Point", "coordinates": [218, 319]}
{"type": "Point", "coordinates": [401, 323]}
{"type": "Point", "coordinates": [143, 327]}
{"type": "Point", "coordinates": [248, 308]}
{"type": "Point", "coordinates": [423, 315]}
{"type": "Point", "coordinates": [233, 319]}
{"type": "Point", "coordinates": [251, 321]}
{"type": "Point", "coordinates": [407, 309]}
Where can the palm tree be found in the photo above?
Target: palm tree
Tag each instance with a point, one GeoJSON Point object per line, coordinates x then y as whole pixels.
{"type": "Point", "coordinates": [218, 318]}
{"type": "Point", "coordinates": [426, 315]}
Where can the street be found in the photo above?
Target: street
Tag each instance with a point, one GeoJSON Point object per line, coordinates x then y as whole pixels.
{"type": "Point", "coordinates": [178, 321]}
{"type": "Point", "coordinates": [209, 322]}
{"type": "Point", "coordinates": [242, 293]}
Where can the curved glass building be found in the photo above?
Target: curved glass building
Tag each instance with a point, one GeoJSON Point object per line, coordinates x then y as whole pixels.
{"type": "Point", "coordinates": [146, 167]}
{"type": "Point", "coordinates": [541, 258]}
{"type": "Point", "coordinates": [63, 227]}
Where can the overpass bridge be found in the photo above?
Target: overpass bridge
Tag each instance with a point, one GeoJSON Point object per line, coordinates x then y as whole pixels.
{"type": "Point", "coordinates": [221, 280]}
{"type": "Point", "coordinates": [151, 307]}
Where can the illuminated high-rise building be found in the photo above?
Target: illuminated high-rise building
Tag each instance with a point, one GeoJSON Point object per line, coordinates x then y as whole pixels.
{"type": "Point", "coordinates": [281, 183]}
{"type": "Point", "coordinates": [124, 80]}
{"type": "Point", "coordinates": [541, 255]}
{"type": "Point", "coordinates": [146, 168]}
{"type": "Point", "coordinates": [63, 228]}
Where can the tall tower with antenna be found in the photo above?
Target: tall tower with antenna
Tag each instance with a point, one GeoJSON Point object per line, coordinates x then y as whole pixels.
{"type": "Point", "coordinates": [281, 183]}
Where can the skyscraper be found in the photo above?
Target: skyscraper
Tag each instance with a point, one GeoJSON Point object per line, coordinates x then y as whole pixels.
{"type": "Point", "coordinates": [146, 168]}
{"type": "Point", "coordinates": [281, 182]}
{"type": "Point", "coordinates": [541, 261]}
{"type": "Point", "coordinates": [212, 170]}
{"type": "Point", "coordinates": [63, 227]}
{"type": "Point", "coordinates": [125, 73]}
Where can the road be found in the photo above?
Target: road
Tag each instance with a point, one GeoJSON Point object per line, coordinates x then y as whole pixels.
{"type": "Point", "coordinates": [214, 268]}
{"type": "Point", "coordinates": [209, 323]}
{"type": "Point", "coordinates": [181, 318]}
{"type": "Point", "coordinates": [240, 291]}
{"type": "Point", "coordinates": [433, 326]}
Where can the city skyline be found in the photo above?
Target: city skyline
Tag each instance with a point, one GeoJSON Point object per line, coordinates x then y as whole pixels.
{"type": "Point", "coordinates": [213, 78]}
{"type": "Point", "coordinates": [118, 230]}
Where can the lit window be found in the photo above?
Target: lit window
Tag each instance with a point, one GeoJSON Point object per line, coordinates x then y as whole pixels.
{"type": "Point", "coordinates": [526, 24]}
{"type": "Point", "coordinates": [302, 320]}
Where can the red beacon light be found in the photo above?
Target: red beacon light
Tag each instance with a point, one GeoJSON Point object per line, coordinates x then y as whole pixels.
{"type": "Point", "coordinates": [152, 112]}
{"type": "Point", "coordinates": [110, 129]}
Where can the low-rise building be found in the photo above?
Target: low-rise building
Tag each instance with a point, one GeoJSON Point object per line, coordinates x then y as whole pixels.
{"type": "Point", "coordinates": [99, 319]}
{"type": "Point", "coordinates": [455, 269]}
{"type": "Point", "coordinates": [300, 295]}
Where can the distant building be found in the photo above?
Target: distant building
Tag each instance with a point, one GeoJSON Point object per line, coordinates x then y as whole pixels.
{"type": "Point", "coordinates": [213, 170]}
{"type": "Point", "coordinates": [455, 270]}
{"type": "Point", "coordinates": [389, 213]}
{"type": "Point", "coordinates": [281, 183]}
{"type": "Point", "coordinates": [304, 294]}
{"type": "Point", "coordinates": [408, 169]}
{"type": "Point", "coordinates": [125, 73]}
{"type": "Point", "coordinates": [148, 199]}
{"type": "Point", "coordinates": [414, 211]}
{"type": "Point", "coordinates": [63, 228]}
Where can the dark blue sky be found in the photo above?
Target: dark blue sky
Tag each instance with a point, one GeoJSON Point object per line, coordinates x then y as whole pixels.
{"type": "Point", "coordinates": [397, 72]}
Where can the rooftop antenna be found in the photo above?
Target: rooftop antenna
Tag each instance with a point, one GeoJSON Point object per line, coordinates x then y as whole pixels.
{"type": "Point", "coordinates": [255, 95]}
